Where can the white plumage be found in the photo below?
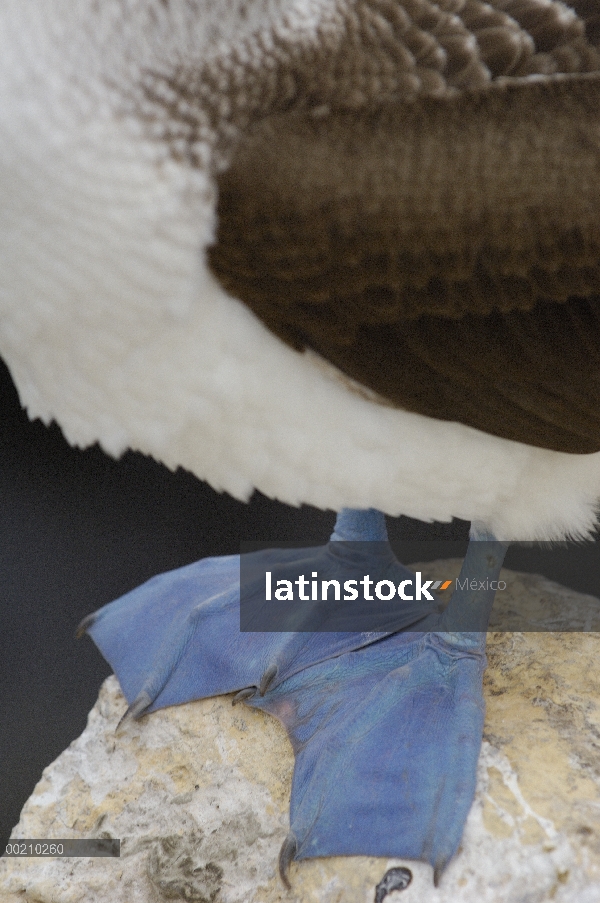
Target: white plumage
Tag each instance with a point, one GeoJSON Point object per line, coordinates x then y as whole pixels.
{"type": "Point", "coordinates": [112, 324]}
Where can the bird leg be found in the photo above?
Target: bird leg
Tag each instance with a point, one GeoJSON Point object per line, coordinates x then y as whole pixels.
{"type": "Point", "coordinates": [386, 724]}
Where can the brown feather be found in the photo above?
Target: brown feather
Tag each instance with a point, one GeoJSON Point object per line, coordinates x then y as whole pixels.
{"type": "Point", "coordinates": [445, 253]}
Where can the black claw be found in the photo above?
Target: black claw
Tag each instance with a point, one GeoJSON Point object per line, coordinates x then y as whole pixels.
{"type": "Point", "coordinates": [267, 679]}
{"type": "Point", "coordinates": [394, 879]}
{"type": "Point", "coordinates": [135, 710]}
{"type": "Point", "coordinates": [247, 693]}
{"type": "Point", "coordinates": [85, 625]}
{"type": "Point", "coordinates": [437, 873]}
{"type": "Point", "coordinates": [288, 850]}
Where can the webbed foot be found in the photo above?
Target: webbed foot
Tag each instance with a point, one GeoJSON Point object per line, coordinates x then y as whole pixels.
{"type": "Point", "coordinates": [386, 726]}
{"type": "Point", "coordinates": [177, 637]}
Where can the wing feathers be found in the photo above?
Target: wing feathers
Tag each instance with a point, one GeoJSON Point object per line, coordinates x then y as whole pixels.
{"type": "Point", "coordinates": [445, 254]}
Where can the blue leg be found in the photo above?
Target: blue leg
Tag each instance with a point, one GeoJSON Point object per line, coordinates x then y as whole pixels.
{"type": "Point", "coordinates": [386, 725]}
{"type": "Point", "coordinates": [177, 637]}
{"type": "Point", "coordinates": [387, 738]}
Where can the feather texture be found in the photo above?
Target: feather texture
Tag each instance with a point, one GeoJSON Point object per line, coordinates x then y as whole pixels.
{"type": "Point", "coordinates": [444, 254]}
{"type": "Point", "coordinates": [120, 122]}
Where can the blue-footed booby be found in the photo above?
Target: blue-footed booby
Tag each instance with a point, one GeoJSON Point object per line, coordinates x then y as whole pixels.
{"type": "Point", "coordinates": [345, 252]}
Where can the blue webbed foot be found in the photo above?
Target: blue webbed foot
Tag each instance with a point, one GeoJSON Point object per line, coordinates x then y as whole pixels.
{"type": "Point", "coordinates": [386, 726]}
{"type": "Point", "coordinates": [177, 637]}
{"type": "Point", "coordinates": [387, 738]}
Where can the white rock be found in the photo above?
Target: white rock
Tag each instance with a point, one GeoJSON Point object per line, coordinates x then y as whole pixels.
{"type": "Point", "coordinates": [199, 793]}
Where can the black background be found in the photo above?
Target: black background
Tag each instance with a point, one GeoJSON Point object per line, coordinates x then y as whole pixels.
{"type": "Point", "coordinates": [78, 529]}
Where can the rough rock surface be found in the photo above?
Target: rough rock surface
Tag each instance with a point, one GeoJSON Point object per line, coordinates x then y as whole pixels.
{"type": "Point", "coordinates": [199, 793]}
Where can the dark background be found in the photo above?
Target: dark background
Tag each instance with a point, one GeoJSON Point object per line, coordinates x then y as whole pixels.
{"type": "Point", "coordinates": [78, 529]}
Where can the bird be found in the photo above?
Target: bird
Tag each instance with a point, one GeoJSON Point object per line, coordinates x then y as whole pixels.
{"type": "Point", "coordinates": [344, 252]}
